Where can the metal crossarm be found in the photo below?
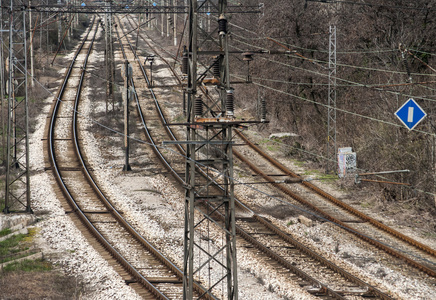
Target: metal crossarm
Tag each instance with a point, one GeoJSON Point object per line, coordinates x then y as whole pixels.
{"type": "Point", "coordinates": [131, 9]}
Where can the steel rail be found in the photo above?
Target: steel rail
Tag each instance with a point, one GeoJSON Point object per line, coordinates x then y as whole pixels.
{"type": "Point", "coordinates": [293, 269]}
{"type": "Point", "coordinates": [176, 76]}
{"type": "Point", "coordinates": [354, 211]}
{"type": "Point", "coordinates": [323, 288]}
{"type": "Point", "coordinates": [197, 286]}
{"type": "Point", "coordinates": [329, 197]}
{"type": "Point", "coordinates": [181, 181]}
{"type": "Point", "coordinates": [362, 236]}
{"type": "Point", "coordinates": [162, 117]}
{"type": "Point", "coordinates": [371, 290]}
{"type": "Point", "coordinates": [339, 203]}
{"type": "Point", "coordinates": [332, 199]}
{"type": "Point", "coordinates": [111, 208]}
{"type": "Point", "coordinates": [84, 219]}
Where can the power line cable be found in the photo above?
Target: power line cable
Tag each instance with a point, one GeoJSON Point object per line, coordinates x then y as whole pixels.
{"type": "Point", "coordinates": [379, 88]}
{"type": "Point", "coordinates": [375, 5]}
{"type": "Point", "coordinates": [420, 84]}
{"type": "Point", "coordinates": [120, 85]}
{"type": "Point", "coordinates": [415, 188]}
{"type": "Point", "coordinates": [341, 85]}
{"type": "Point", "coordinates": [338, 109]}
{"type": "Point", "coordinates": [344, 65]}
{"type": "Point", "coordinates": [234, 179]}
{"type": "Point", "coordinates": [245, 184]}
{"type": "Point", "coordinates": [316, 50]}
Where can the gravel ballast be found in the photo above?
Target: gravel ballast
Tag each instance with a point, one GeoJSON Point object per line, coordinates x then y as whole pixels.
{"type": "Point", "coordinates": [156, 208]}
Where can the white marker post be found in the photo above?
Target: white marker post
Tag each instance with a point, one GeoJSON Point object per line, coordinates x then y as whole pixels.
{"type": "Point", "coordinates": [410, 114]}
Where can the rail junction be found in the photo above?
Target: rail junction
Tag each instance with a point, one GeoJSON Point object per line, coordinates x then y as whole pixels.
{"type": "Point", "coordinates": [202, 168]}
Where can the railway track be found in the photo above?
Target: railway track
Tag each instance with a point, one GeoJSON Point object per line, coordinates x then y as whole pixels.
{"type": "Point", "coordinates": [140, 264]}
{"type": "Point", "coordinates": [312, 272]}
{"type": "Point", "coordinates": [415, 254]}
{"type": "Point", "coordinates": [407, 250]}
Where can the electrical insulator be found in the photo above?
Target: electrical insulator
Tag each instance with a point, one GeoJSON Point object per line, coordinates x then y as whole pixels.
{"type": "Point", "coordinates": [222, 25]}
{"type": "Point", "coordinates": [170, 20]}
{"type": "Point", "coordinates": [263, 111]}
{"type": "Point", "coordinates": [230, 107]}
{"type": "Point", "coordinates": [198, 106]}
{"type": "Point", "coordinates": [216, 66]}
{"type": "Point", "coordinates": [185, 61]}
{"type": "Point", "coordinates": [247, 56]}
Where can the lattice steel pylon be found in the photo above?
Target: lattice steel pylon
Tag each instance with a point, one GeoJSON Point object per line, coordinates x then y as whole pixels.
{"type": "Point", "coordinates": [17, 198]}
{"type": "Point", "coordinates": [207, 259]}
{"type": "Point", "coordinates": [331, 114]}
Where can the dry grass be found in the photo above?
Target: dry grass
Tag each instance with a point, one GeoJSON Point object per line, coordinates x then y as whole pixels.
{"type": "Point", "coordinates": [32, 279]}
{"type": "Point", "coordinates": [39, 285]}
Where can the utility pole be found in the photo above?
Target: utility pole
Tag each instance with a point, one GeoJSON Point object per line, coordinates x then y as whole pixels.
{"type": "Point", "coordinates": [147, 18]}
{"type": "Point", "coordinates": [433, 151]}
{"type": "Point", "coordinates": [209, 151]}
{"type": "Point", "coordinates": [40, 31]}
{"type": "Point", "coordinates": [331, 107]}
{"type": "Point", "coordinates": [17, 196]}
{"type": "Point", "coordinates": [141, 14]}
{"type": "Point", "coordinates": [162, 20]}
{"type": "Point", "coordinates": [107, 60]}
{"type": "Point", "coordinates": [59, 25]}
{"type": "Point", "coordinates": [175, 24]}
{"type": "Point", "coordinates": [109, 57]}
{"type": "Point", "coordinates": [47, 33]}
{"type": "Point", "coordinates": [32, 70]}
{"type": "Point", "coordinates": [128, 74]}
{"type": "Point", "coordinates": [77, 14]}
{"type": "Point", "coordinates": [2, 91]}
{"type": "Point", "coordinates": [70, 28]}
{"type": "Point", "coordinates": [167, 17]}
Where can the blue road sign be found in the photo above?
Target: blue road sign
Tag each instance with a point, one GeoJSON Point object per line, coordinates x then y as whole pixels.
{"type": "Point", "coordinates": [410, 114]}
